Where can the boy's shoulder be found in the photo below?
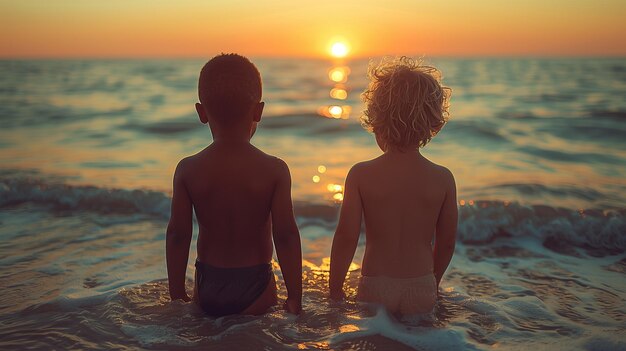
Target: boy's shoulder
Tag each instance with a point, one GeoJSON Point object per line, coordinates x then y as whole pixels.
{"type": "Point", "coordinates": [358, 170]}
{"type": "Point", "coordinates": [443, 175]}
{"type": "Point", "coordinates": [440, 169]}
{"type": "Point", "coordinates": [257, 154]}
{"type": "Point", "coordinates": [271, 160]}
{"type": "Point", "coordinates": [360, 167]}
{"type": "Point", "coordinates": [185, 163]}
{"type": "Point", "coordinates": [188, 163]}
{"type": "Point", "coordinates": [268, 166]}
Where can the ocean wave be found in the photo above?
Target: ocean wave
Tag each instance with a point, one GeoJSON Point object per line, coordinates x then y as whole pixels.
{"type": "Point", "coordinates": [572, 196]}
{"type": "Point", "coordinates": [571, 157]}
{"type": "Point", "coordinates": [586, 130]}
{"type": "Point", "coordinates": [15, 189]}
{"type": "Point", "coordinates": [28, 114]}
{"type": "Point", "coordinates": [599, 231]}
{"type": "Point", "coordinates": [309, 122]}
{"type": "Point", "coordinates": [519, 116]}
{"type": "Point", "coordinates": [475, 129]}
{"type": "Point", "coordinates": [480, 222]}
{"type": "Point", "coordinates": [616, 114]}
{"type": "Point", "coordinates": [543, 98]}
{"type": "Point", "coordinates": [168, 127]}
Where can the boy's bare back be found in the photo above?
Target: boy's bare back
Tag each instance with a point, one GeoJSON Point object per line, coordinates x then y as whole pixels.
{"type": "Point", "coordinates": [231, 186]}
{"type": "Point", "coordinates": [403, 195]}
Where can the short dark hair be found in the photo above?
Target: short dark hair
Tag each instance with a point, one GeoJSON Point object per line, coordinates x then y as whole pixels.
{"type": "Point", "coordinates": [229, 85]}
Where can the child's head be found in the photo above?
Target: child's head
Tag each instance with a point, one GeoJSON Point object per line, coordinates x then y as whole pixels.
{"type": "Point", "coordinates": [230, 91]}
{"type": "Point", "coordinates": [406, 104]}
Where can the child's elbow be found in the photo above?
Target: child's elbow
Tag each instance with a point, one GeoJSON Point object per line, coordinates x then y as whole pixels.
{"type": "Point", "coordinates": [171, 238]}
{"type": "Point", "coordinates": [177, 236]}
{"type": "Point", "coordinates": [347, 235]}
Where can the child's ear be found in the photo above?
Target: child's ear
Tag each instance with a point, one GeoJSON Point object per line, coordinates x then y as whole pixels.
{"type": "Point", "coordinates": [202, 113]}
{"type": "Point", "coordinates": [257, 111]}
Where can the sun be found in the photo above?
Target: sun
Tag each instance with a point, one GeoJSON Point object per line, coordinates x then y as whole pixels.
{"type": "Point", "coordinates": [339, 49]}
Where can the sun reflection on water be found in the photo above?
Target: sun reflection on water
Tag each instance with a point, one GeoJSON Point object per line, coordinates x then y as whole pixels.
{"type": "Point", "coordinates": [335, 111]}
{"type": "Point", "coordinates": [324, 267]}
{"type": "Point", "coordinates": [339, 93]}
{"type": "Point", "coordinates": [338, 74]}
{"type": "Point", "coordinates": [338, 197]}
{"type": "Point", "coordinates": [334, 188]}
{"type": "Point", "coordinates": [348, 328]}
{"type": "Point", "coordinates": [337, 191]}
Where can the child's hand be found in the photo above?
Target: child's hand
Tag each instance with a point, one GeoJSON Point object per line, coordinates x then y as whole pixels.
{"type": "Point", "coordinates": [293, 306]}
{"type": "Point", "coordinates": [183, 297]}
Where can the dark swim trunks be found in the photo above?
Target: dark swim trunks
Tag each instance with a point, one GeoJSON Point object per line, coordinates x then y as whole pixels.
{"type": "Point", "coordinates": [223, 291]}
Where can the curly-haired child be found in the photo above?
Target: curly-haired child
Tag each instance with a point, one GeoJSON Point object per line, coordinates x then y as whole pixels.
{"type": "Point", "coordinates": [407, 202]}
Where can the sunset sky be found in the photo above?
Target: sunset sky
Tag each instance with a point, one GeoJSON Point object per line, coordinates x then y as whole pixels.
{"type": "Point", "coordinates": [186, 28]}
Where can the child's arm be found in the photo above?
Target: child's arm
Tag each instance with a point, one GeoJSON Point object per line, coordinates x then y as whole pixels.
{"type": "Point", "coordinates": [346, 236]}
{"type": "Point", "coordinates": [287, 240]}
{"type": "Point", "coordinates": [445, 234]}
{"type": "Point", "coordinates": [178, 237]}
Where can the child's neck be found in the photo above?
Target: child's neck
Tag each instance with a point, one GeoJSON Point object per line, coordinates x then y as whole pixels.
{"type": "Point", "coordinates": [400, 153]}
{"type": "Point", "coordinates": [229, 140]}
{"type": "Point", "coordinates": [231, 136]}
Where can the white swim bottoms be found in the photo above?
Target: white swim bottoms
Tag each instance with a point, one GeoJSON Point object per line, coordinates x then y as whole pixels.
{"type": "Point", "coordinates": [408, 296]}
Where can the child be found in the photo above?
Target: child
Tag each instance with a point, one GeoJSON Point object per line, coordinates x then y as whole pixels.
{"type": "Point", "coordinates": [241, 197]}
{"type": "Point", "coordinates": [406, 200]}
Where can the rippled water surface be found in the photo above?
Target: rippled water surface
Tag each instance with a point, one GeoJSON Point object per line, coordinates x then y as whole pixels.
{"type": "Point", "coordinates": [87, 149]}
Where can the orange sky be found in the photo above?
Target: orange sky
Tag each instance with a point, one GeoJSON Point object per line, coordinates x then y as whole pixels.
{"type": "Point", "coordinates": [186, 28]}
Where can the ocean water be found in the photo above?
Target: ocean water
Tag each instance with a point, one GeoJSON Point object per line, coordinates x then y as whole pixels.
{"type": "Point", "coordinates": [88, 148]}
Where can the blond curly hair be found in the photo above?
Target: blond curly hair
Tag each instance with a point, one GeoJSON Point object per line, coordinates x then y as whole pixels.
{"type": "Point", "coordinates": [406, 104]}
